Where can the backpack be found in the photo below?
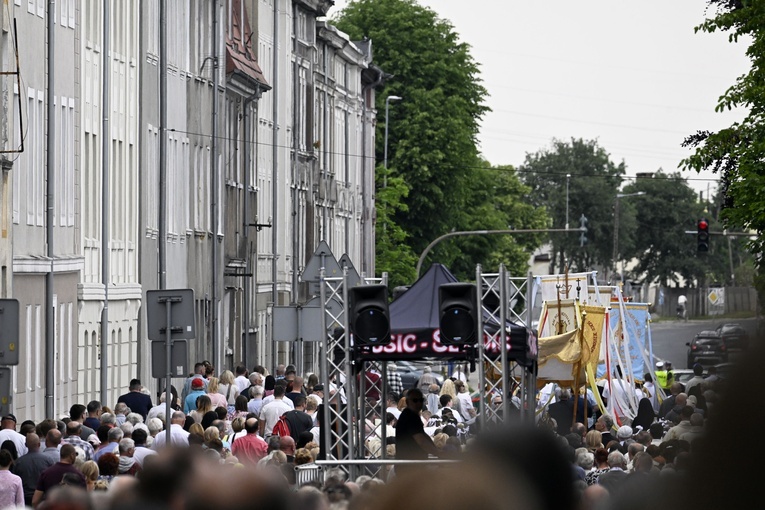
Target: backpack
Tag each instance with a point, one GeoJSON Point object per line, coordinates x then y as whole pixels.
{"type": "Point", "coordinates": [282, 427]}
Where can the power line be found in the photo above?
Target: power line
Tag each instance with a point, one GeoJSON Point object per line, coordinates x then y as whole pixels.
{"type": "Point", "coordinates": [516, 169]}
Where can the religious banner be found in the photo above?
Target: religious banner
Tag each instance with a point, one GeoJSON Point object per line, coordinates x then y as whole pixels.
{"type": "Point", "coordinates": [558, 317]}
{"type": "Point", "coordinates": [628, 338]}
{"type": "Point", "coordinates": [566, 286]}
{"type": "Point", "coordinates": [559, 356]}
{"type": "Point", "coordinates": [600, 295]}
{"type": "Point", "coordinates": [593, 327]}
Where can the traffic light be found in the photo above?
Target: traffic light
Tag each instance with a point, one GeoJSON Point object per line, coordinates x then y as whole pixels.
{"type": "Point", "coordinates": [583, 227]}
{"type": "Point", "coordinates": [369, 316]}
{"type": "Point", "coordinates": [457, 316]}
{"type": "Point", "coordinates": [702, 235]}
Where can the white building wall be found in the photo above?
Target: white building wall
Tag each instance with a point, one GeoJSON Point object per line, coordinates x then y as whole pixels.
{"type": "Point", "coordinates": [124, 186]}
{"type": "Point", "coordinates": [26, 194]}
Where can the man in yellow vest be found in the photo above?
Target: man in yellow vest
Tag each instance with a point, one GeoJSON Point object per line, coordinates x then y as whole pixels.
{"type": "Point", "coordinates": [664, 376]}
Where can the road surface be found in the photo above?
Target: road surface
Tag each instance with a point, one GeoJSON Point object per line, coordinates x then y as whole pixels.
{"type": "Point", "coordinates": [669, 337]}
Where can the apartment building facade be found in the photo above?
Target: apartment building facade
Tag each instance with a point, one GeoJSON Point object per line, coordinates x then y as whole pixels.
{"type": "Point", "coordinates": [268, 150]}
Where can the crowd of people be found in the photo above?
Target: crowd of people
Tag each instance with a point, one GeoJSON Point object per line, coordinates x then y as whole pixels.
{"type": "Point", "coordinates": [246, 439]}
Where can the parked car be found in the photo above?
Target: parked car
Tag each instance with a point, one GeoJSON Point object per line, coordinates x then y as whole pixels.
{"type": "Point", "coordinates": [683, 375]}
{"type": "Point", "coordinates": [734, 336]}
{"type": "Point", "coordinates": [411, 371]}
{"type": "Point", "coordinates": [707, 348]}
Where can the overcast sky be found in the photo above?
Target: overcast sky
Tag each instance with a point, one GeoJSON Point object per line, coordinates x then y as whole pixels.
{"type": "Point", "coordinates": [632, 75]}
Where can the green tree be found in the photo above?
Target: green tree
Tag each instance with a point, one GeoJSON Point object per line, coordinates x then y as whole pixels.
{"type": "Point", "coordinates": [433, 130]}
{"type": "Point", "coordinates": [664, 251]}
{"type": "Point", "coordinates": [495, 200]}
{"type": "Point", "coordinates": [736, 153]}
{"type": "Point", "coordinates": [393, 254]}
{"type": "Point", "coordinates": [593, 186]}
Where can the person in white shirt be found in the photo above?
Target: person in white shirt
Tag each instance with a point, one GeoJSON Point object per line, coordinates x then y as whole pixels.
{"type": "Point", "coordinates": [141, 450]}
{"type": "Point", "coordinates": [270, 398]}
{"type": "Point", "coordinates": [178, 436]}
{"type": "Point", "coordinates": [445, 402]}
{"type": "Point", "coordinates": [8, 432]}
{"type": "Point", "coordinates": [242, 381]}
{"type": "Point", "coordinates": [392, 406]}
{"type": "Point", "coordinates": [271, 412]}
{"type": "Point", "coordinates": [467, 410]}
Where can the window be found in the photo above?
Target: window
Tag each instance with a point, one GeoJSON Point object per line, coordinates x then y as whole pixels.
{"type": "Point", "coordinates": [35, 163]}
{"type": "Point", "coordinates": [65, 155]}
{"type": "Point", "coordinates": [67, 13]}
{"type": "Point", "coordinates": [19, 165]}
{"type": "Point", "coordinates": [152, 174]}
{"type": "Point", "coordinates": [152, 19]}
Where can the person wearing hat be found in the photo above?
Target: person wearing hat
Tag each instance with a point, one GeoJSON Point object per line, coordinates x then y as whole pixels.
{"type": "Point", "coordinates": [8, 432]}
{"type": "Point", "coordinates": [395, 384]}
{"type": "Point", "coordinates": [663, 375]}
{"type": "Point", "coordinates": [197, 390]}
{"type": "Point", "coordinates": [624, 436]}
{"type": "Point", "coordinates": [136, 400]}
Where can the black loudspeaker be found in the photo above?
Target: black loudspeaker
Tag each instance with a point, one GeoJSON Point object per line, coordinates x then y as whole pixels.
{"type": "Point", "coordinates": [457, 317]}
{"type": "Point", "coordinates": [369, 316]}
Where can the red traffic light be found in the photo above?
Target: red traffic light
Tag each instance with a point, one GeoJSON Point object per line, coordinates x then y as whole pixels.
{"type": "Point", "coordinates": [702, 235]}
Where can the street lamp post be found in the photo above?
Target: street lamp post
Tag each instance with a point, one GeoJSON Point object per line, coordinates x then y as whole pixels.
{"type": "Point", "coordinates": [615, 255]}
{"type": "Point", "coordinates": [568, 178]}
{"type": "Point", "coordinates": [385, 149]}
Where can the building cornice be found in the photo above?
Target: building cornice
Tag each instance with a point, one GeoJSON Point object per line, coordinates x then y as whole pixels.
{"type": "Point", "coordinates": [41, 265]}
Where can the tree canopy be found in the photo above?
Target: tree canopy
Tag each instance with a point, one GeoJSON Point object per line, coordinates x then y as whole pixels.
{"type": "Point", "coordinates": [736, 153]}
{"type": "Point", "coordinates": [433, 158]}
{"type": "Point", "coordinates": [592, 189]}
{"type": "Point", "coordinates": [663, 215]}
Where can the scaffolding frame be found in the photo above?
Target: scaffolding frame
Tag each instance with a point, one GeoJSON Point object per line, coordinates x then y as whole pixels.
{"type": "Point", "coordinates": [347, 426]}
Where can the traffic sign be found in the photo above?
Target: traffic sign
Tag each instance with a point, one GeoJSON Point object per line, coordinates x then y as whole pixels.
{"type": "Point", "coordinates": [6, 397]}
{"type": "Point", "coordinates": [179, 359]}
{"type": "Point", "coordinates": [9, 331]}
{"type": "Point", "coordinates": [181, 302]}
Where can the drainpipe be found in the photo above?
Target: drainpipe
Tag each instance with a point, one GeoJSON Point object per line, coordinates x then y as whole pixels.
{"type": "Point", "coordinates": [105, 227]}
{"type": "Point", "coordinates": [347, 175]}
{"type": "Point", "coordinates": [296, 354]}
{"type": "Point", "coordinates": [275, 165]}
{"type": "Point", "coordinates": [162, 212]}
{"type": "Point", "coordinates": [50, 337]}
{"type": "Point", "coordinates": [214, 191]}
{"type": "Point", "coordinates": [366, 217]}
{"type": "Point", "coordinates": [323, 175]}
{"type": "Point", "coordinates": [246, 221]}
{"type": "Point", "coordinates": [295, 149]}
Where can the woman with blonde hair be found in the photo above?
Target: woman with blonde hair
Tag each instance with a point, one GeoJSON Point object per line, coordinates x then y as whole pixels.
{"type": "Point", "coordinates": [237, 430]}
{"type": "Point", "coordinates": [440, 440]}
{"type": "Point", "coordinates": [216, 398]}
{"type": "Point", "coordinates": [91, 472]}
{"type": "Point", "coordinates": [197, 430]}
{"type": "Point", "coordinates": [211, 433]}
{"type": "Point", "coordinates": [593, 440]}
{"type": "Point", "coordinates": [204, 405]}
{"type": "Point", "coordinates": [227, 387]}
{"type": "Point", "coordinates": [448, 388]}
